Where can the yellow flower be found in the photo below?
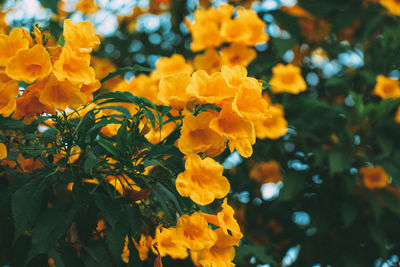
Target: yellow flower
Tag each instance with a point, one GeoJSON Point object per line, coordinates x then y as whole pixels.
{"type": "Point", "coordinates": [171, 65]}
{"type": "Point", "coordinates": [235, 76]}
{"type": "Point", "coordinates": [192, 231]}
{"type": "Point", "coordinates": [237, 54]}
{"type": "Point", "coordinates": [247, 28]}
{"type": "Point", "coordinates": [172, 90]}
{"type": "Point", "coordinates": [196, 136]}
{"type": "Point", "coordinates": [8, 92]}
{"type": "Point", "coordinates": [80, 36]}
{"type": "Point", "coordinates": [225, 220]}
{"type": "Point", "coordinates": [3, 151]}
{"type": "Point", "coordinates": [61, 94]}
{"type": "Point", "coordinates": [143, 247]}
{"type": "Point", "coordinates": [210, 61]}
{"type": "Point", "coordinates": [155, 136]}
{"type": "Point", "coordinates": [238, 130]}
{"type": "Point", "coordinates": [11, 44]}
{"type": "Point", "coordinates": [273, 126]}
{"type": "Point", "coordinates": [87, 6]}
{"type": "Point", "coordinates": [266, 172]}
{"type": "Point", "coordinates": [74, 67]}
{"type": "Point", "coordinates": [248, 101]}
{"type": "Point", "coordinates": [209, 89]}
{"type": "Point", "coordinates": [164, 239]}
{"type": "Point", "coordinates": [386, 87]}
{"type": "Point", "coordinates": [206, 29]}
{"type": "Point", "coordinates": [393, 6]}
{"type": "Point", "coordinates": [30, 64]}
{"type": "Point", "coordinates": [221, 254]}
{"type": "Point", "coordinates": [202, 180]}
{"type": "Point", "coordinates": [374, 177]}
{"type": "Point", "coordinates": [28, 105]}
{"type": "Point", "coordinates": [287, 79]}
{"type": "Point", "coordinates": [125, 252]}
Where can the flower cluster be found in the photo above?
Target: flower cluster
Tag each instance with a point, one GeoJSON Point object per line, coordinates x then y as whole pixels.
{"type": "Point", "coordinates": [56, 77]}
{"type": "Point", "coordinates": [215, 26]}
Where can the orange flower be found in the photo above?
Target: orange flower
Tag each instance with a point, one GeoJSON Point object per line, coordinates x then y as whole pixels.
{"type": "Point", "coordinates": [393, 6]}
{"type": "Point", "coordinates": [225, 220]}
{"type": "Point", "coordinates": [287, 79]}
{"type": "Point", "coordinates": [164, 239]}
{"type": "Point", "coordinates": [28, 105]}
{"type": "Point", "coordinates": [61, 94]}
{"type": "Point", "coordinates": [143, 247]}
{"type": "Point", "coordinates": [247, 28]}
{"type": "Point", "coordinates": [266, 172]}
{"type": "Point", "coordinates": [248, 101]}
{"type": "Point", "coordinates": [30, 64]}
{"type": "Point", "coordinates": [274, 126]}
{"type": "Point", "coordinates": [386, 87]}
{"type": "Point", "coordinates": [207, 89]}
{"type": "Point", "coordinates": [11, 44]}
{"type": "Point", "coordinates": [238, 130]}
{"type": "Point", "coordinates": [196, 136]}
{"type": "Point", "coordinates": [374, 177]}
{"type": "Point", "coordinates": [221, 253]}
{"type": "Point", "coordinates": [8, 92]}
{"type": "Point", "coordinates": [206, 27]}
{"type": "Point", "coordinates": [172, 90]}
{"type": "Point", "coordinates": [74, 67]}
{"type": "Point", "coordinates": [192, 231]}
{"type": "Point", "coordinates": [3, 151]}
{"type": "Point", "coordinates": [80, 36]}
{"type": "Point", "coordinates": [30, 164]}
{"type": "Point", "coordinates": [210, 61]}
{"type": "Point", "coordinates": [202, 180]}
{"type": "Point", "coordinates": [235, 76]}
{"type": "Point", "coordinates": [237, 54]}
{"type": "Point", "coordinates": [171, 65]}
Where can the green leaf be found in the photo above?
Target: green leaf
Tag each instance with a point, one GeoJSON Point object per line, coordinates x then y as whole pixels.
{"type": "Point", "coordinates": [89, 163]}
{"type": "Point", "coordinates": [109, 147]}
{"type": "Point", "coordinates": [349, 212]}
{"type": "Point", "coordinates": [61, 41]}
{"type": "Point", "coordinates": [115, 237]}
{"type": "Point", "coordinates": [124, 70]}
{"type": "Point", "coordinates": [108, 207]}
{"type": "Point", "coordinates": [338, 162]}
{"type": "Point", "coordinates": [292, 185]}
{"type": "Point", "coordinates": [25, 205]}
{"type": "Point", "coordinates": [123, 110]}
{"type": "Point", "coordinates": [52, 225]}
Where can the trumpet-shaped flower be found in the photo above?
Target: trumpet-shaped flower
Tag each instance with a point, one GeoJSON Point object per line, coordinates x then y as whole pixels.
{"type": "Point", "coordinates": [193, 232]}
{"type": "Point", "coordinates": [8, 92]}
{"type": "Point", "coordinates": [172, 90]}
{"type": "Point", "coordinates": [164, 239]}
{"type": "Point", "coordinates": [61, 94]}
{"type": "Point", "coordinates": [266, 172]}
{"type": "Point", "coordinates": [273, 126]}
{"type": "Point", "coordinates": [374, 177]}
{"type": "Point", "coordinates": [238, 130]}
{"type": "Point", "coordinates": [210, 61]}
{"type": "Point", "coordinates": [11, 44]}
{"type": "Point", "coordinates": [386, 87]}
{"type": "Point", "coordinates": [202, 180]}
{"type": "Point", "coordinates": [81, 36]}
{"type": "Point", "coordinates": [209, 89]}
{"type": "Point", "coordinates": [287, 79]}
{"type": "Point", "coordinates": [30, 64]}
{"type": "Point", "coordinates": [171, 65]}
{"type": "Point", "coordinates": [237, 54]}
{"type": "Point", "coordinates": [73, 66]}
{"type": "Point", "coordinates": [221, 254]}
{"type": "Point", "coordinates": [197, 136]}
